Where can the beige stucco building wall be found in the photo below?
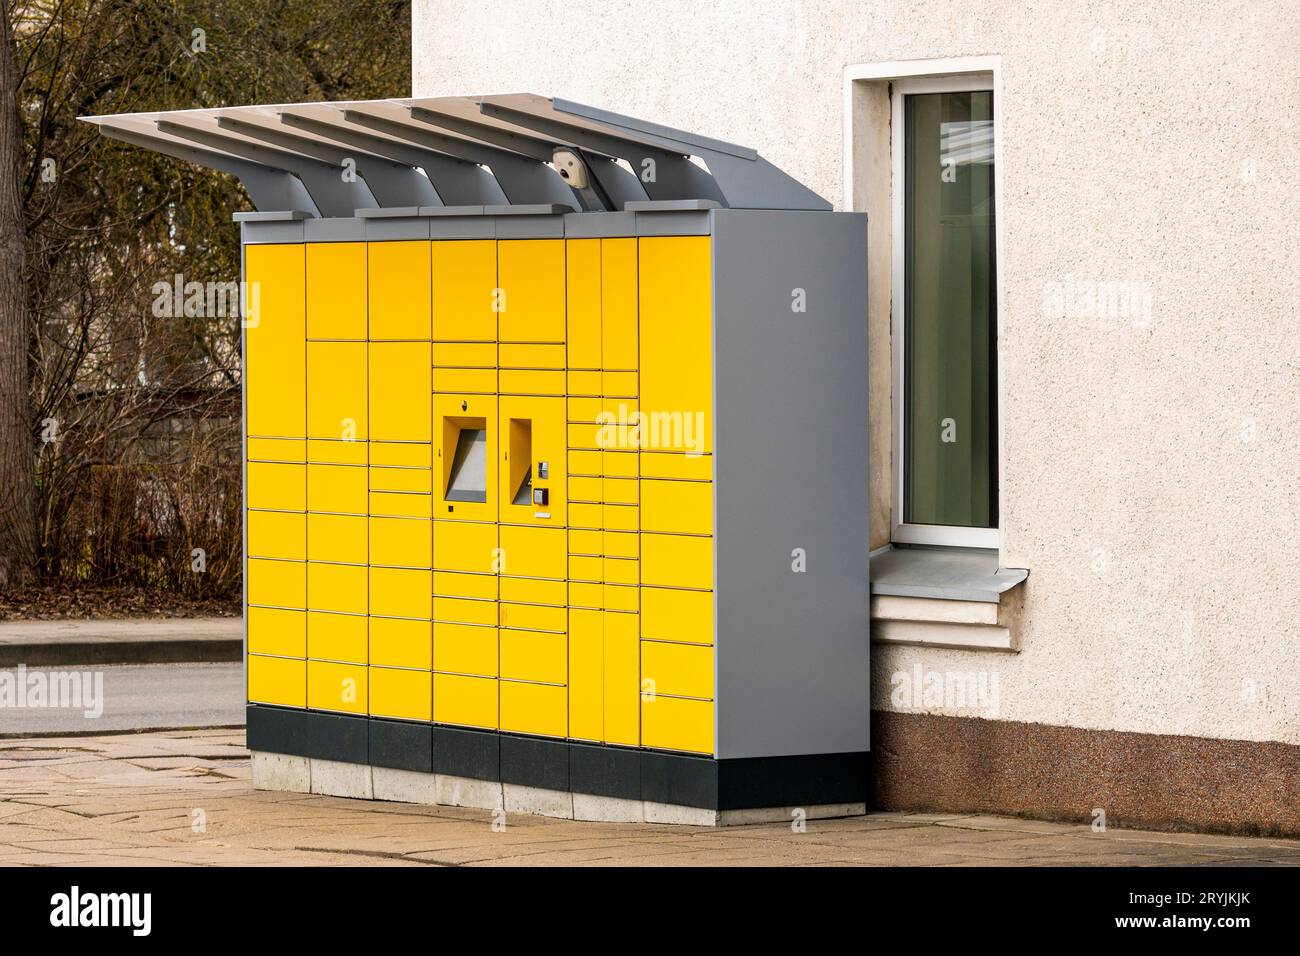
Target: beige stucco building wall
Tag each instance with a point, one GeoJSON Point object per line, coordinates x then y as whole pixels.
{"type": "Point", "coordinates": [1150, 466]}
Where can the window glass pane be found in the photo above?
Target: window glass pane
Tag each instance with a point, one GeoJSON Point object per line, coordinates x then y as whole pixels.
{"type": "Point", "coordinates": [949, 375]}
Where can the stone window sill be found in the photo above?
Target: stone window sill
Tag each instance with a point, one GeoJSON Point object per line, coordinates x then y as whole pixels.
{"type": "Point", "coordinates": [945, 597]}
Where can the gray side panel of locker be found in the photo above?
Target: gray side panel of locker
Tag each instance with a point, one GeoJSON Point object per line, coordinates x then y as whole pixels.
{"type": "Point", "coordinates": [790, 454]}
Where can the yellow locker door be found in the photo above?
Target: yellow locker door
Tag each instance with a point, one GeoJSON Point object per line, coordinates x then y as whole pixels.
{"type": "Point", "coordinates": [530, 273]}
{"type": "Point", "coordinates": [336, 390]}
{"type": "Point", "coordinates": [277, 631]}
{"type": "Point", "coordinates": [398, 642]}
{"type": "Point", "coordinates": [276, 486]}
{"type": "Point", "coordinates": [586, 674]}
{"type": "Point", "coordinates": [337, 687]}
{"type": "Point", "coordinates": [400, 290]}
{"type": "Point", "coordinates": [336, 488]}
{"type": "Point", "coordinates": [582, 266]}
{"type": "Point", "coordinates": [533, 552]}
{"type": "Point", "coordinates": [677, 723]}
{"type": "Point", "coordinates": [622, 666]}
{"type": "Point", "coordinates": [277, 680]}
{"type": "Point", "coordinates": [465, 458]}
{"type": "Point", "coordinates": [468, 701]}
{"type": "Point", "coordinates": [336, 538]}
{"type": "Point", "coordinates": [336, 290]}
{"type": "Point", "coordinates": [401, 542]}
{"type": "Point", "coordinates": [275, 583]}
{"type": "Point", "coordinates": [465, 296]}
{"type": "Point", "coordinates": [676, 343]}
{"type": "Point", "coordinates": [401, 387]}
{"type": "Point", "coordinates": [618, 313]}
{"type": "Point", "coordinates": [532, 430]}
{"type": "Point", "coordinates": [403, 694]}
{"type": "Point", "coordinates": [275, 361]}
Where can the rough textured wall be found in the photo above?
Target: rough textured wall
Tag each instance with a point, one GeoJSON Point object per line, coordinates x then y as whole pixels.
{"type": "Point", "coordinates": [1150, 460]}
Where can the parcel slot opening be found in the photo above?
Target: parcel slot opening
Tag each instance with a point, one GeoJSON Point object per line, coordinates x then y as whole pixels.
{"type": "Point", "coordinates": [466, 478]}
{"type": "Point", "coordinates": [519, 461]}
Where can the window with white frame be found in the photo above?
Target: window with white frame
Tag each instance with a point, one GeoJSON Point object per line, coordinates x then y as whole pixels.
{"type": "Point", "coordinates": [945, 487]}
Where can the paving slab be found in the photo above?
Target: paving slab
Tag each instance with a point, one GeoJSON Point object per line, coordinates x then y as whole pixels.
{"type": "Point", "coordinates": [131, 800]}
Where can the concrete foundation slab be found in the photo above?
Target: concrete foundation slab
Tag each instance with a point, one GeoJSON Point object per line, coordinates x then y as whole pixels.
{"type": "Point", "coordinates": [281, 772]}
{"type": "Point", "coordinates": [333, 778]}
{"type": "Point", "coordinates": [403, 786]}
{"type": "Point", "coordinates": [452, 791]}
{"type": "Point", "coordinates": [338, 779]}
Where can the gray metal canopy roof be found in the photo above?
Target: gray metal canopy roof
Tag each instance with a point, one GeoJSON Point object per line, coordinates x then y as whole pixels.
{"type": "Point", "coordinates": [458, 151]}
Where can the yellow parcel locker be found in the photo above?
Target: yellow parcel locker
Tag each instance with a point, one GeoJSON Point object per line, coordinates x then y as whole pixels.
{"type": "Point", "coordinates": [336, 290]}
{"type": "Point", "coordinates": [530, 273]}
{"type": "Point", "coordinates": [400, 290]}
{"type": "Point", "coordinates": [676, 343]}
{"type": "Point", "coordinates": [465, 293]}
{"type": "Point", "coordinates": [275, 363]}
{"type": "Point", "coordinates": [400, 386]}
{"type": "Point", "coordinates": [480, 478]}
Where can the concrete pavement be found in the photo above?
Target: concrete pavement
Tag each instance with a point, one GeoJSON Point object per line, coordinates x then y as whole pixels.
{"type": "Point", "coordinates": [185, 798]}
{"type": "Point", "coordinates": [125, 641]}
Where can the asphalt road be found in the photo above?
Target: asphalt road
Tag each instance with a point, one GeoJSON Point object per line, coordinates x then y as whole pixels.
{"type": "Point", "coordinates": [130, 697]}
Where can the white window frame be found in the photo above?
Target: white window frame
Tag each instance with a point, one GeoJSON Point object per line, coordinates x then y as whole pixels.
{"type": "Point", "coordinates": [906, 78]}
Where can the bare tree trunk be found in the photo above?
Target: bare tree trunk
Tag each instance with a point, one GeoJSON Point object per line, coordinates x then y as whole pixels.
{"type": "Point", "coordinates": [17, 476]}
